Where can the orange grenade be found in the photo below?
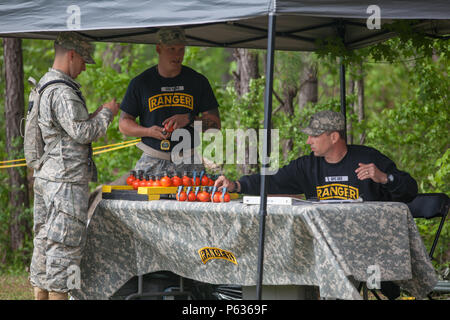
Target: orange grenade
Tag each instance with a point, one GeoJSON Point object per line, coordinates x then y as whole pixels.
{"type": "Point", "coordinates": [181, 195]}
{"type": "Point", "coordinates": [195, 179]}
{"type": "Point", "coordinates": [215, 196]}
{"type": "Point", "coordinates": [143, 182]}
{"type": "Point", "coordinates": [190, 195]}
{"type": "Point", "coordinates": [166, 181]}
{"type": "Point", "coordinates": [137, 181]}
{"type": "Point", "coordinates": [204, 196]}
{"type": "Point", "coordinates": [156, 182]}
{"type": "Point", "coordinates": [203, 179]}
{"type": "Point", "coordinates": [131, 177]}
{"type": "Point", "coordinates": [186, 180]}
{"type": "Point", "coordinates": [149, 180]}
{"type": "Point", "coordinates": [225, 196]}
{"type": "Point", "coordinates": [211, 182]}
{"type": "Point", "coordinates": [176, 180]}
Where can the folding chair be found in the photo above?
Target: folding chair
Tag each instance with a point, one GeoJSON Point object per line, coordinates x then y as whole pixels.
{"type": "Point", "coordinates": [427, 206]}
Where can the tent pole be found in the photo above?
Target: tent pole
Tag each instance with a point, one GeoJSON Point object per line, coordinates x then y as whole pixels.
{"type": "Point", "coordinates": [266, 148]}
{"type": "Point", "coordinates": [343, 98]}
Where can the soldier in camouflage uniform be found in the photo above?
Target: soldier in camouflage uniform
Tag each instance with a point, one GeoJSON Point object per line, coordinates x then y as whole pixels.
{"type": "Point", "coordinates": [61, 190]}
{"type": "Point", "coordinates": [168, 94]}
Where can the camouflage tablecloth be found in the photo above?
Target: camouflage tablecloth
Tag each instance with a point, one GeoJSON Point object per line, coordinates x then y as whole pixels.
{"type": "Point", "coordinates": [309, 244]}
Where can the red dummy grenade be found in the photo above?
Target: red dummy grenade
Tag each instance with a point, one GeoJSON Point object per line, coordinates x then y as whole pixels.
{"type": "Point", "coordinates": [190, 195]}
{"type": "Point", "coordinates": [166, 181]}
{"type": "Point", "coordinates": [176, 181]}
{"type": "Point", "coordinates": [181, 195]}
{"type": "Point", "coordinates": [131, 178]}
{"type": "Point", "coordinates": [137, 181]}
{"type": "Point", "coordinates": [186, 180]}
{"type": "Point", "coordinates": [168, 129]}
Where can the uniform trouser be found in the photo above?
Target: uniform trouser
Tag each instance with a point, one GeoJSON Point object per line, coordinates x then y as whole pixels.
{"type": "Point", "coordinates": [155, 166]}
{"type": "Point", "coordinates": [60, 218]}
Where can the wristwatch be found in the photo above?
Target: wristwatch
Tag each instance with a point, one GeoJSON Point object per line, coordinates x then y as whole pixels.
{"type": "Point", "coordinates": [390, 178]}
{"type": "Point", "coordinates": [237, 186]}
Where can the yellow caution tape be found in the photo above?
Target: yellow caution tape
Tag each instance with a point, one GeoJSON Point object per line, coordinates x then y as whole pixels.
{"type": "Point", "coordinates": [8, 161]}
{"type": "Point", "coordinates": [116, 144]}
{"type": "Point", "coordinates": [115, 148]}
{"type": "Point", "coordinates": [13, 165]}
{"type": "Point", "coordinates": [106, 148]}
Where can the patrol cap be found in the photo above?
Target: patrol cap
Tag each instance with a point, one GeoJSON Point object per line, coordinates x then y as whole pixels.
{"type": "Point", "coordinates": [73, 41]}
{"type": "Point", "coordinates": [171, 35]}
{"type": "Point", "coordinates": [325, 121]}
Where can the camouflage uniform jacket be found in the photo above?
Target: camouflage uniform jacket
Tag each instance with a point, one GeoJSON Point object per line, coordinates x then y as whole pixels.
{"type": "Point", "coordinates": [63, 113]}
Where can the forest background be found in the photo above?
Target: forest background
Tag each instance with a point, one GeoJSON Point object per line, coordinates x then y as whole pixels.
{"type": "Point", "coordinates": [397, 102]}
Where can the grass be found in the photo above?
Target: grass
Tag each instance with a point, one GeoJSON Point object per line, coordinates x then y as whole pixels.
{"type": "Point", "coordinates": [15, 287]}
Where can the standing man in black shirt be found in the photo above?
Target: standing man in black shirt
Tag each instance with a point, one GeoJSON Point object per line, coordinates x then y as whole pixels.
{"type": "Point", "coordinates": [333, 170]}
{"type": "Point", "coordinates": [167, 97]}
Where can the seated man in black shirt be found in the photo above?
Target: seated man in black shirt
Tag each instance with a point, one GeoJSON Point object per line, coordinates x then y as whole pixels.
{"type": "Point", "coordinates": [334, 170]}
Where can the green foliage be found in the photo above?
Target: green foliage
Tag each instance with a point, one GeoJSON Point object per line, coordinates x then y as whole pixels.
{"type": "Point", "coordinates": [406, 98]}
{"type": "Point", "coordinates": [440, 179]}
{"type": "Point", "coordinates": [414, 130]}
{"type": "Point", "coordinates": [409, 120]}
{"type": "Point", "coordinates": [240, 113]}
{"type": "Point", "coordinates": [211, 62]}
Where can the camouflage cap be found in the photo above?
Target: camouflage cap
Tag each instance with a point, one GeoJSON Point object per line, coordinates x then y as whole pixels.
{"type": "Point", "coordinates": [172, 35]}
{"type": "Point", "coordinates": [325, 121]}
{"type": "Point", "coordinates": [73, 41]}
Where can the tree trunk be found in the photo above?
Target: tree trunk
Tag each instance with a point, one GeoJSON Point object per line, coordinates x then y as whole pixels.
{"type": "Point", "coordinates": [226, 76]}
{"type": "Point", "coordinates": [14, 112]}
{"type": "Point", "coordinates": [359, 110]}
{"type": "Point", "coordinates": [308, 85]}
{"type": "Point", "coordinates": [247, 69]}
{"type": "Point", "coordinates": [116, 51]}
{"type": "Point", "coordinates": [351, 110]}
{"type": "Point", "coordinates": [308, 89]}
{"type": "Point", "coordinates": [287, 107]}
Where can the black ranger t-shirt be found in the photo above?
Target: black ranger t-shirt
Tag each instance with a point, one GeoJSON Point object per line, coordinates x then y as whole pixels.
{"type": "Point", "coordinates": [316, 178]}
{"type": "Point", "coordinates": [153, 98]}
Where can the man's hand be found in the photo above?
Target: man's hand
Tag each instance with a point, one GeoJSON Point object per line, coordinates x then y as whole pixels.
{"type": "Point", "coordinates": [157, 132]}
{"type": "Point", "coordinates": [222, 182]}
{"type": "Point", "coordinates": [129, 127]}
{"type": "Point", "coordinates": [177, 121]}
{"type": "Point", "coordinates": [370, 171]}
{"type": "Point", "coordinates": [210, 119]}
{"type": "Point", "coordinates": [113, 106]}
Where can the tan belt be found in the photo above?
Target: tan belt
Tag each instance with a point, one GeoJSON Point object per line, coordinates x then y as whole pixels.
{"type": "Point", "coordinates": [161, 154]}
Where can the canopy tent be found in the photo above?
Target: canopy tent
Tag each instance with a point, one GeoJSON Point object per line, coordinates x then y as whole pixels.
{"type": "Point", "coordinates": [225, 23]}
{"type": "Point", "coordinates": [295, 24]}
